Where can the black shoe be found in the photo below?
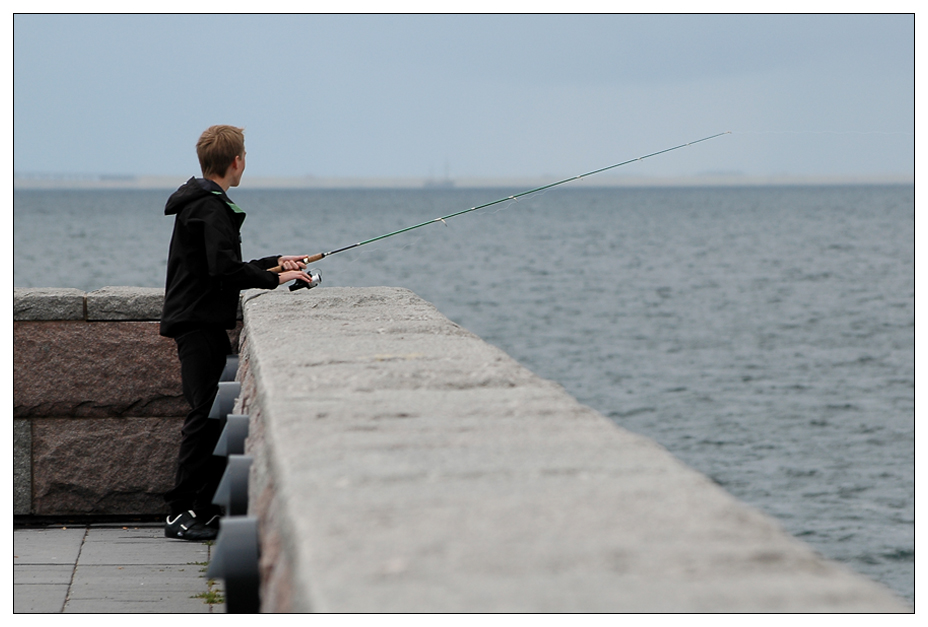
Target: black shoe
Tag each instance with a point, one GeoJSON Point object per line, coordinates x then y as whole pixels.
{"type": "Point", "coordinates": [185, 526]}
{"type": "Point", "coordinates": [213, 522]}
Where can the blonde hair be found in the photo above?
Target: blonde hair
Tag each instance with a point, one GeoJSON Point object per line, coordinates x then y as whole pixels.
{"type": "Point", "coordinates": [218, 147]}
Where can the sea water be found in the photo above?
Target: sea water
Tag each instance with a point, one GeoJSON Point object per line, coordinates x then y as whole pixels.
{"type": "Point", "coordinates": [765, 336]}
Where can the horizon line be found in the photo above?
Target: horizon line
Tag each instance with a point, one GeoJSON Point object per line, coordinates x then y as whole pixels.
{"type": "Point", "coordinates": [39, 181]}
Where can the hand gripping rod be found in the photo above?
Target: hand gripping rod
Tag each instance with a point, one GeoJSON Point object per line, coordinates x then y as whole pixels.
{"type": "Point", "coordinates": [318, 256]}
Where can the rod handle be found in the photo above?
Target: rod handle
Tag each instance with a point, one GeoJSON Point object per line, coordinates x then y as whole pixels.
{"type": "Point", "coordinates": [308, 259]}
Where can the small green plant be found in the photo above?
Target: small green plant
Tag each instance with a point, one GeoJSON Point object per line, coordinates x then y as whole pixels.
{"type": "Point", "coordinates": [211, 596]}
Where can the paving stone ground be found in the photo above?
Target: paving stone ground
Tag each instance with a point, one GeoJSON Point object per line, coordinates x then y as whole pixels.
{"type": "Point", "coordinates": [111, 569]}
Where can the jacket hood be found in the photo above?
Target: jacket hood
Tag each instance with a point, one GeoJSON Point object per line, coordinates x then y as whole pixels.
{"type": "Point", "coordinates": [192, 190]}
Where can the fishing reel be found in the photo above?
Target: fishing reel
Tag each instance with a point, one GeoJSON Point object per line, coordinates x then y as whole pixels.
{"type": "Point", "coordinates": [299, 284]}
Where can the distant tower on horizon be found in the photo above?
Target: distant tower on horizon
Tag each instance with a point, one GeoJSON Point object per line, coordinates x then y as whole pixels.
{"type": "Point", "coordinates": [445, 183]}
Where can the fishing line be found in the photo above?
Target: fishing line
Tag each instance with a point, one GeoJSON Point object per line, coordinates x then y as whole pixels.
{"type": "Point", "coordinates": [505, 199]}
{"type": "Point", "coordinates": [384, 248]}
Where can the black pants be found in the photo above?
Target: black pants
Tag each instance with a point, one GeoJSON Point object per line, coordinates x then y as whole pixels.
{"type": "Point", "coordinates": [202, 356]}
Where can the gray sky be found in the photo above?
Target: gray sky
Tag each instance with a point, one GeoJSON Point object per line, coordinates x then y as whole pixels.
{"type": "Point", "coordinates": [480, 95]}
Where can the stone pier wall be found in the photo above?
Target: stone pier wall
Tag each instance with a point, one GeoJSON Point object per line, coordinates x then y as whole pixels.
{"type": "Point", "coordinates": [97, 403]}
{"type": "Point", "coordinates": [401, 464]}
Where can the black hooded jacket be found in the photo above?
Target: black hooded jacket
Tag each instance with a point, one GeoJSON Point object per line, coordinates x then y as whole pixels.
{"type": "Point", "coordinates": [205, 269]}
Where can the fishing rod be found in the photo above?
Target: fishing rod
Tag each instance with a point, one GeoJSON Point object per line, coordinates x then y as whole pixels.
{"type": "Point", "coordinates": [318, 256]}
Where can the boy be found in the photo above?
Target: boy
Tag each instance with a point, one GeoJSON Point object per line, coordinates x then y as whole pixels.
{"type": "Point", "coordinates": [204, 276]}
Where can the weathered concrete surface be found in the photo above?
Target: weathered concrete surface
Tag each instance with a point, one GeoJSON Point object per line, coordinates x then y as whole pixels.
{"type": "Point", "coordinates": [402, 464]}
{"type": "Point", "coordinates": [48, 303]}
{"type": "Point", "coordinates": [103, 465]}
{"type": "Point", "coordinates": [83, 369]}
{"type": "Point", "coordinates": [97, 402]}
{"type": "Point", "coordinates": [125, 303]}
{"type": "Point", "coordinates": [107, 303]}
{"type": "Point", "coordinates": [22, 467]}
{"type": "Point", "coordinates": [97, 406]}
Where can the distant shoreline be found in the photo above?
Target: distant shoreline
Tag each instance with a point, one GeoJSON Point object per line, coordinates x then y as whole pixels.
{"type": "Point", "coordinates": [93, 182]}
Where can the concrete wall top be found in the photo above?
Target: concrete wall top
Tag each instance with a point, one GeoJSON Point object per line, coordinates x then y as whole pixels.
{"type": "Point", "coordinates": [125, 303]}
{"type": "Point", "coordinates": [105, 304]}
{"type": "Point", "coordinates": [416, 468]}
{"type": "Point", "coordinates": [48, 303]}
